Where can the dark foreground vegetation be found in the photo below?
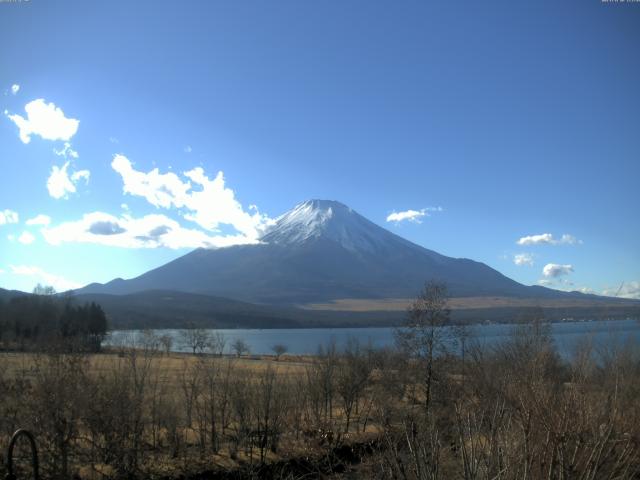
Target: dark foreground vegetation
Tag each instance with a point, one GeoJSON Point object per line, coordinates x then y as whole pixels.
{"type": "Point", "coordinates": [513, 411]}
{"type": "Point", "coordinates": [44, 320]}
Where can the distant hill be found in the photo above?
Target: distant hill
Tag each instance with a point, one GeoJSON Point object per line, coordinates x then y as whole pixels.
{"type": "Point", "coordinates": [171, 309]}
{"type": "Point", "coordinates": [8, 294]}
{"type": "Point", "coordinates": [167, 309]}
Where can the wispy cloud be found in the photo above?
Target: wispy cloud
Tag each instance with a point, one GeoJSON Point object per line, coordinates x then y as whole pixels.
{"type": "Point", "coordinates": [414, 216]}
{"type": "Point", "coordinates": [555, 270]}
{"type": "Point", "coordinates": [8, 216]}
{"type": "Point", "coordinates": [46, 120]}
{"type": "Point", "coordinates": [39, 220]}
{"type": "Point", "coordinates": [26, 238]}
{"type": "Point", "coordinates": [208, 203]}
{"type": "Point", "coordinates": [522, 259]}
{"type": "Point", "coordinates": [66, 151]}
{"type": "Point", "coordinates": [41, 276]}
{"type": "Point", "coordinates": [548, 239]}
{"type": "Point", "coordinates": [625, 290]}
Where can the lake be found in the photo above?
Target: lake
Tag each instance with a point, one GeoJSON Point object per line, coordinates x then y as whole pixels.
{"type": "Point", "coordinates": [566, 335]}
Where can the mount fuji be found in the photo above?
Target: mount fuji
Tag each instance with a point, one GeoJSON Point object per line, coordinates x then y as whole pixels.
{"type": "Point", "coordinates": [322, 251]}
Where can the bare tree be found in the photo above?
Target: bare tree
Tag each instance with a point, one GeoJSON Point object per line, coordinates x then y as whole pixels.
{"type": "Point", "coordinates": [217, 342]}
{"type": "Point", "coordinates": [240, 347]}
{"type": "Point", "coordinates": [423, 336]}
{"type": "Point", "coordinates": [269, 408]}
{"type": "Point", "coordinates": [45, 290]}
{"type": "Point", "coordinates": [197, 339]}
{"type": "Point", "coordinates": [279, 349]}
{"type": "Point", "coordinates": [352, 376]}
{"type": "Point", "coordinates": [149, 341]}
{"type": "Point", "coordinates": [167, 342]}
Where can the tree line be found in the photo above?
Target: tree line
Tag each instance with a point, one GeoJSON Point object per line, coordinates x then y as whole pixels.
{"type": "Point", "coordinates": [46, 320]}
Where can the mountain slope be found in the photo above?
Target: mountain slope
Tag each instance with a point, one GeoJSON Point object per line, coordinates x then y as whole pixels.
{"type": "Point", "coordinates": [320, 251]}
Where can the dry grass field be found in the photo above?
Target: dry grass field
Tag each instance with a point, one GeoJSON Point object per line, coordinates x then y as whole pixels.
{"type": "Point", "coordinates": [195, 412]}
{"type": "Point", "coordinates": [172, 365]}
{"type": "Point", "coordinates": [466, 303]}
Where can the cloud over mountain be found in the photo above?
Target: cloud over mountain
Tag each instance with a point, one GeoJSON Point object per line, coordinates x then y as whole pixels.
{"type": "Point", "coordinates": [555, 270]}
{"type": "Point", "coordinates": [149, 231]}
{"type": "Point", "coordinates": [39, 275]}
{"type": "Point", "coordinates": [626, 290]}
{"type": "Point", "coordinates": [208, 203]}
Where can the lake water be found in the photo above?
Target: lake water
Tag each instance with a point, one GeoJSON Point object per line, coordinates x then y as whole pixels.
{"type": "Point", "coordinates": [566, 335]}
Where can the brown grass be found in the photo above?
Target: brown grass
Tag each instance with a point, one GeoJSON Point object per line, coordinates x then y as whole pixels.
{"type": "Point", "coordinates": [464, 303]}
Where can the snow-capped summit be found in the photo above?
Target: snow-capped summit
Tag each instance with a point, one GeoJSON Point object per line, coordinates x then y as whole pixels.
{"type": "Point", "coordinates": [329, 220]}
{"type": "Point", "coordinates": [306, 220]}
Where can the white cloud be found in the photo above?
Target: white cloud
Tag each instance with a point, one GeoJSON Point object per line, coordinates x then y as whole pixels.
{"type": "Point", "coordinates": [626, 290]}
{"type": "Point", "coordinates": [46, 120]}
{"type": "Point", "coordinates": [188, 149]}
{"type": "Point", "coordinates": [555, 270]}
{"type": "Point", "coordinates": [150, 231]}
{"type": "Point", "coordinates": [536, 239]}
{"type": "Point", "coordinates": [210, 203]}
{"type": "Point", "coordinates": [40, 276]}
{"type": "Point", "coordinates": [60, 183]}
{"type": "Point", "coordinates": [8, 216]}
{"type": "Point", "coordinates": [66, 151]}
{"type": "Point", "coordinates": [548, 239]}
{"type": "Point", "coordinates": [160, 190]}
{"type": "Point", "coordinates": [15, 88]}
{"type": "Point", "coordinates": [567, 239]}
{"type": "Point", "coordinates": [412, 215]}
{"type": "Point", "coordinates": [586, 290]}
{"type": "Point", "coordinates": [39, 220]}
{"type": "Point", "coordinates": [521, 259]}
{"type": "Point", "coordinates": [561, 284]}
{"type": "Point", "coordinates": [81, 175]}
{"type": "Point", "coordinates": [26, 238]}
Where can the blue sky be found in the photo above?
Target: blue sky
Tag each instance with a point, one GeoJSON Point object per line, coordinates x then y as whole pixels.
{"type": "Point", "coordinates": [520, 121]}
